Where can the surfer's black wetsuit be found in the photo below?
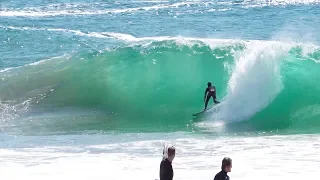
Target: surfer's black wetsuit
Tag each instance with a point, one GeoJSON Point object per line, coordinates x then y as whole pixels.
{"type": "Point", "coordinates": [211, 93]}
{"type": "Point", "coordinates": [222, 175]}
{"type": "Point", "coordinates": [166, 171]}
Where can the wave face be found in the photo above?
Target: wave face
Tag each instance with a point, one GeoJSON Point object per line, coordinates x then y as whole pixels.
{"type": "Point", "coordinates": [158, 85]}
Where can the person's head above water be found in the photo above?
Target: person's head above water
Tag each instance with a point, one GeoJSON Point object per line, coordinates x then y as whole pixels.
{"type": "Point", "coordinates": [226, 164]}
{"type": "Point", "coordinates": [169, 152]}
{"type": "Point", "coordinates": [209, 84]}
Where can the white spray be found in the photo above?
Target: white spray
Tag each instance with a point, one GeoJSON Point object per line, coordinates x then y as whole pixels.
{"type": "Point", "coordinates": [254, 83]}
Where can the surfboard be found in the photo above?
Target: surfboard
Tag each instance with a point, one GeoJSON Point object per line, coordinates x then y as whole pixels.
{"type": "Point", "coordinates": [198, 113]}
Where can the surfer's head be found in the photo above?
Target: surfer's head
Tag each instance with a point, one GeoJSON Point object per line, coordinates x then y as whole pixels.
{"type": "Point", "coordinates": [169, 152]}
{"type": "Point", "coordinates": [209, 84]}
{"type": "Point", "coordinates": [226, 164]}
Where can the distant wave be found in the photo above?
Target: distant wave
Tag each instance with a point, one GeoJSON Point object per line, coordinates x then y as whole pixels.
{"type": "Point", "coordinates": [40, 12]}
{"type": "Point", "coordinates": [179, 39]}
{"type": "Point", "coordinates": [70, 9]}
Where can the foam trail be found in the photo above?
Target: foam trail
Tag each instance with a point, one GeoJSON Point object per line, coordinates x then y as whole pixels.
{"type": "Point", "coordinates": [8, 111]}
{"type": "Point", "coordinates": [113, 35]}
{"type": "Point", "coordinates": [76, 32]}
{"type": "Point", "coordinates": [285, 2]}
{"type": "Point", "coordinates": [5, 69]}
{"type": "Point", "coordinates": [131, 38]}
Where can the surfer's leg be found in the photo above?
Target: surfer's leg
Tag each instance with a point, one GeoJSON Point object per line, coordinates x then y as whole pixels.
{"type": "Point", "coordinates": [207, 100]}
{"type": "Point", "coordinates": [215, 100]}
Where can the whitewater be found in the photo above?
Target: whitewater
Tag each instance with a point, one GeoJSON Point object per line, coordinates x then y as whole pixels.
{"type": "Point", "coordinates": [95, 89]}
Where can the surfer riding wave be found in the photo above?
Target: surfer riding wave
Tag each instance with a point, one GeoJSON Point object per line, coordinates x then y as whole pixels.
{"type": "Point", "coordinates": [210, 92]}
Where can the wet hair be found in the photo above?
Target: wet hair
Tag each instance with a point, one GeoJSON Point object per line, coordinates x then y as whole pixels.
{"type": "Point", "coordinates": [226, 162]}
{"type": "Point", "coordinates": [209, 84]}
{"type": "Point", "coordinates": [168, 151]}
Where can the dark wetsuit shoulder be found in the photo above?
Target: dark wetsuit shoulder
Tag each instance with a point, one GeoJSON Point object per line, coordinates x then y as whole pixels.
{"type": "Point", "coordinates": [166, 171]}
{"type": "Point", "coordinates": [222, 175]}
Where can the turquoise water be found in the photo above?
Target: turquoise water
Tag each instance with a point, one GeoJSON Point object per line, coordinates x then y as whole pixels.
{"type": "Point", "coordinates": [85, 79]}
{"type": "Point", "coordinates": [143, 65]}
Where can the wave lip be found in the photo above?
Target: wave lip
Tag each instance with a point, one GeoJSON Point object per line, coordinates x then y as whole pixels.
{"type": "Point", "coordinates": [254, 83]}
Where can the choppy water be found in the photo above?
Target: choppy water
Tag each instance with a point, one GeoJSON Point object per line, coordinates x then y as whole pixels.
{"type": "Point", "coordinates": [93, 89]}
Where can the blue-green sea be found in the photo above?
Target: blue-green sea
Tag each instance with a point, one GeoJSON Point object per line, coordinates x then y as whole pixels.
{"type": "Point", "coordinates": [93, 89]}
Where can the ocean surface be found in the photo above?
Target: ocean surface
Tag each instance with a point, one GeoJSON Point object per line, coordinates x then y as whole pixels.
{"type": "Point", "coordinates": [93, 89]}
